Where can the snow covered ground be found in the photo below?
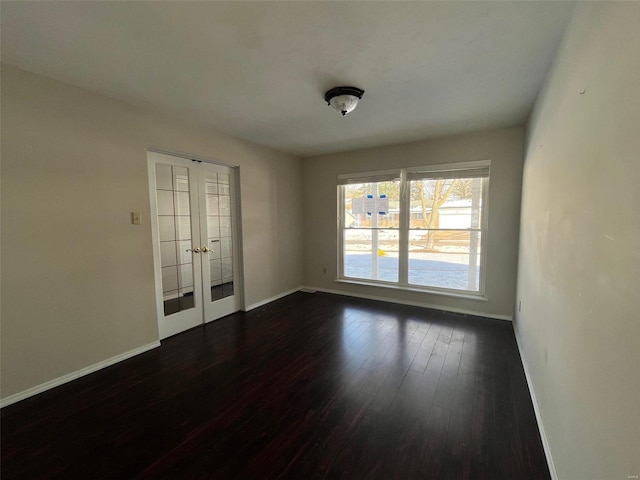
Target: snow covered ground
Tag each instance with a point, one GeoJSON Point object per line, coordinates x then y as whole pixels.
{"type": "Point", "coordinates": [445, 270]}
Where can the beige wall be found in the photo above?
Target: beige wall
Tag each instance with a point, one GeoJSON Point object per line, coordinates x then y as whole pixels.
{"type": "Point", "coordinates": [77, 277]}
{"type": "Point", "coordinates": [579, 267]}
{"type": "Point", "coordinates": [505, 150]}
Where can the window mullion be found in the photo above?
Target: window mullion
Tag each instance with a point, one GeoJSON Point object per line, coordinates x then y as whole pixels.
{"type": "Point", "coordinates": [340, 228]}
{"type": "Point", "coordinates": [374, 236]}
{"type": "Point", "coordinates": [403, 234]}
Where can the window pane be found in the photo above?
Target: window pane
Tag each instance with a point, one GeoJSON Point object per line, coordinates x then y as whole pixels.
{"type": "Point", "coordinates": [446, 203]}
{"type": "Point", "coordinates": [373, 204]}
{"type": "Point", "coordinates": [445, 259]}
{"type": "Point", "coordinates": [371, 254]}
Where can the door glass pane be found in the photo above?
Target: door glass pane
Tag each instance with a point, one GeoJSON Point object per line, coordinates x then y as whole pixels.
{"type": "Point", "coordinates": [174, 223]}
{"type": "Point", "coordinates": [225, 247]}
{"type": "Point", "coordinates": [225, 209]}
{"type": "Point", "coordinates": [185, 276]}
{"type": "Point", "coordinates": [169, 279]}
{"type": "Point", "coordinates": [167, 254]}
{"type": "Point", "coordinates": [182, 203]}
{"type": "Point", "coordinates": [166, 228]}
{"type": "Point", "coordinates": [183, 227]}
{"type": "Point", "coordinates": [223, 183]}
{"type": "Point", "coordinates": [165, 202]}
{"type": "Point", "coordinates": [213, 227]}
{"type": "Point", "coordinates": [180, 179]}
{"type": "Point", "coordinates": [225, 227]}
{"type": "Point", "coordinates": [164, 179]}
{"type": "Point", "coordinates": [211, 184]}
{"type": "Point", "coordinates": [212, 203]}
{"type": "Point", "coordinates": [216, 271]}
{"type": "Point", "coordinates": [184, 252]}
{"type": "Point", "coordinates": [219, 235]}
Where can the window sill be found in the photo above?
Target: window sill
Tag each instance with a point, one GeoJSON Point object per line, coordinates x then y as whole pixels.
{"type": "Point", "coordinates": [406, 288]}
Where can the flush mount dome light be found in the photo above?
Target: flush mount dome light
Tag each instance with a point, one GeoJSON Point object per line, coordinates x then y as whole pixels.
{"type": "Point", "coordinates": [343, 99]}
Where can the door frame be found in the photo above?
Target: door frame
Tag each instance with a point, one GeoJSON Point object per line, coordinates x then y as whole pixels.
{"type": "Point", "coordinates": [236, 228]}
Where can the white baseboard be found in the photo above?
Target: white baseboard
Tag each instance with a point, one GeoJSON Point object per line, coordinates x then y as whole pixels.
{"type": "Point", "coordinates": [536, 409]}
{"type": "Point", "coordinates": [16, 397]}
{"type": "Point", "coordinates": [271, 299]}
{"type": "Point", "coordinates": [414, 304]}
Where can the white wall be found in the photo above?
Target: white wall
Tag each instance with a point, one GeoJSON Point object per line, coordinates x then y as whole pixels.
{"type": "Point", "coordinates": [77, 277]}
{"type": "Point", "coordinates": [579, 265]}
{"type": "Point", "coordinates": [505, 150]}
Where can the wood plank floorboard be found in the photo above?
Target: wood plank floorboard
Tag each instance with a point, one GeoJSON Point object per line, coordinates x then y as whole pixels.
{"type": "Point", "coordinates": [311, 386]}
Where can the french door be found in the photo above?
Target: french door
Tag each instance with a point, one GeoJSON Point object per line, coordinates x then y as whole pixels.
{"type": "Point", "coordinates": [195, 241]}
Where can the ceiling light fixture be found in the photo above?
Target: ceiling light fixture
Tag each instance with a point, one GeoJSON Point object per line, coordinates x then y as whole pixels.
{"type": "Point", "coordinates": [343, 99]}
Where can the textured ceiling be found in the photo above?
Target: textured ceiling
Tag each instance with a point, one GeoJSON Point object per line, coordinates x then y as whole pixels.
{"type": "Point", "coordinates": [258, 70]}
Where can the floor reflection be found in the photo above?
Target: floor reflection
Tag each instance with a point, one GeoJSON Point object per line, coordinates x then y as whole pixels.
{"type": "Point", "coordinates": [405, 364]}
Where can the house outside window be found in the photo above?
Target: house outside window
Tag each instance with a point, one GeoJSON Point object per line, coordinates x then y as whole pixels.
{"type": "Point", "coordinates": [415, 228]}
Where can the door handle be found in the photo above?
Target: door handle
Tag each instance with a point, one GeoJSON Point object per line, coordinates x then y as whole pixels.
{"type": "Point", "coordinates": [205, 250]}
{"type": "Point", "coordinates": [195, 250]}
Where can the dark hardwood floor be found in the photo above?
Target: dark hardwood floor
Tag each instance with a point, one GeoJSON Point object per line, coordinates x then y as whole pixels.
{"type": "Point", "coordinates": [311, 386]}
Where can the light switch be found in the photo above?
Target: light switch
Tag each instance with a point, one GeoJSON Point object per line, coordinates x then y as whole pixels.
{"type": "Point", "coordinates": [136, 218]}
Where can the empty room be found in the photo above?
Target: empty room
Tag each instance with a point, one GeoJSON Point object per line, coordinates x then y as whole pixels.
{"type": "Point", "coordinates": [320, 240]}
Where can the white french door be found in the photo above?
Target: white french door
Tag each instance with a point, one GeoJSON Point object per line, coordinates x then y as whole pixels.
{"type": "Point", "coordinates": [195, 241]}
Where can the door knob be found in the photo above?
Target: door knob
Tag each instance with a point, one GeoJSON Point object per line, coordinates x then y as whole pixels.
{"type": "Point", "coordinates": [205, 250]}
{"type": "Point", "coordinates": [195, 250]}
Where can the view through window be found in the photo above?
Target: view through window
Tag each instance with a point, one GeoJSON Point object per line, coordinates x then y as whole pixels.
{"type": "Point", "coordinates": [420, 228]}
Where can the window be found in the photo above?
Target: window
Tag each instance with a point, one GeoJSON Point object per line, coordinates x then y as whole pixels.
{"type": "Point", "coordinates": [417, 228]}
{"type": "Point", "coordinates": [371, 229]}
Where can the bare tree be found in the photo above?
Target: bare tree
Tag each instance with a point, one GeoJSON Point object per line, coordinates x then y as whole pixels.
{"type": "Point", "coordinates": [438, 197]}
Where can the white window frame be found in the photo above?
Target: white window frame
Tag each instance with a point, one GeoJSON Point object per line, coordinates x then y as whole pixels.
{"type": "Point", "coordinates": [404, 224]}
